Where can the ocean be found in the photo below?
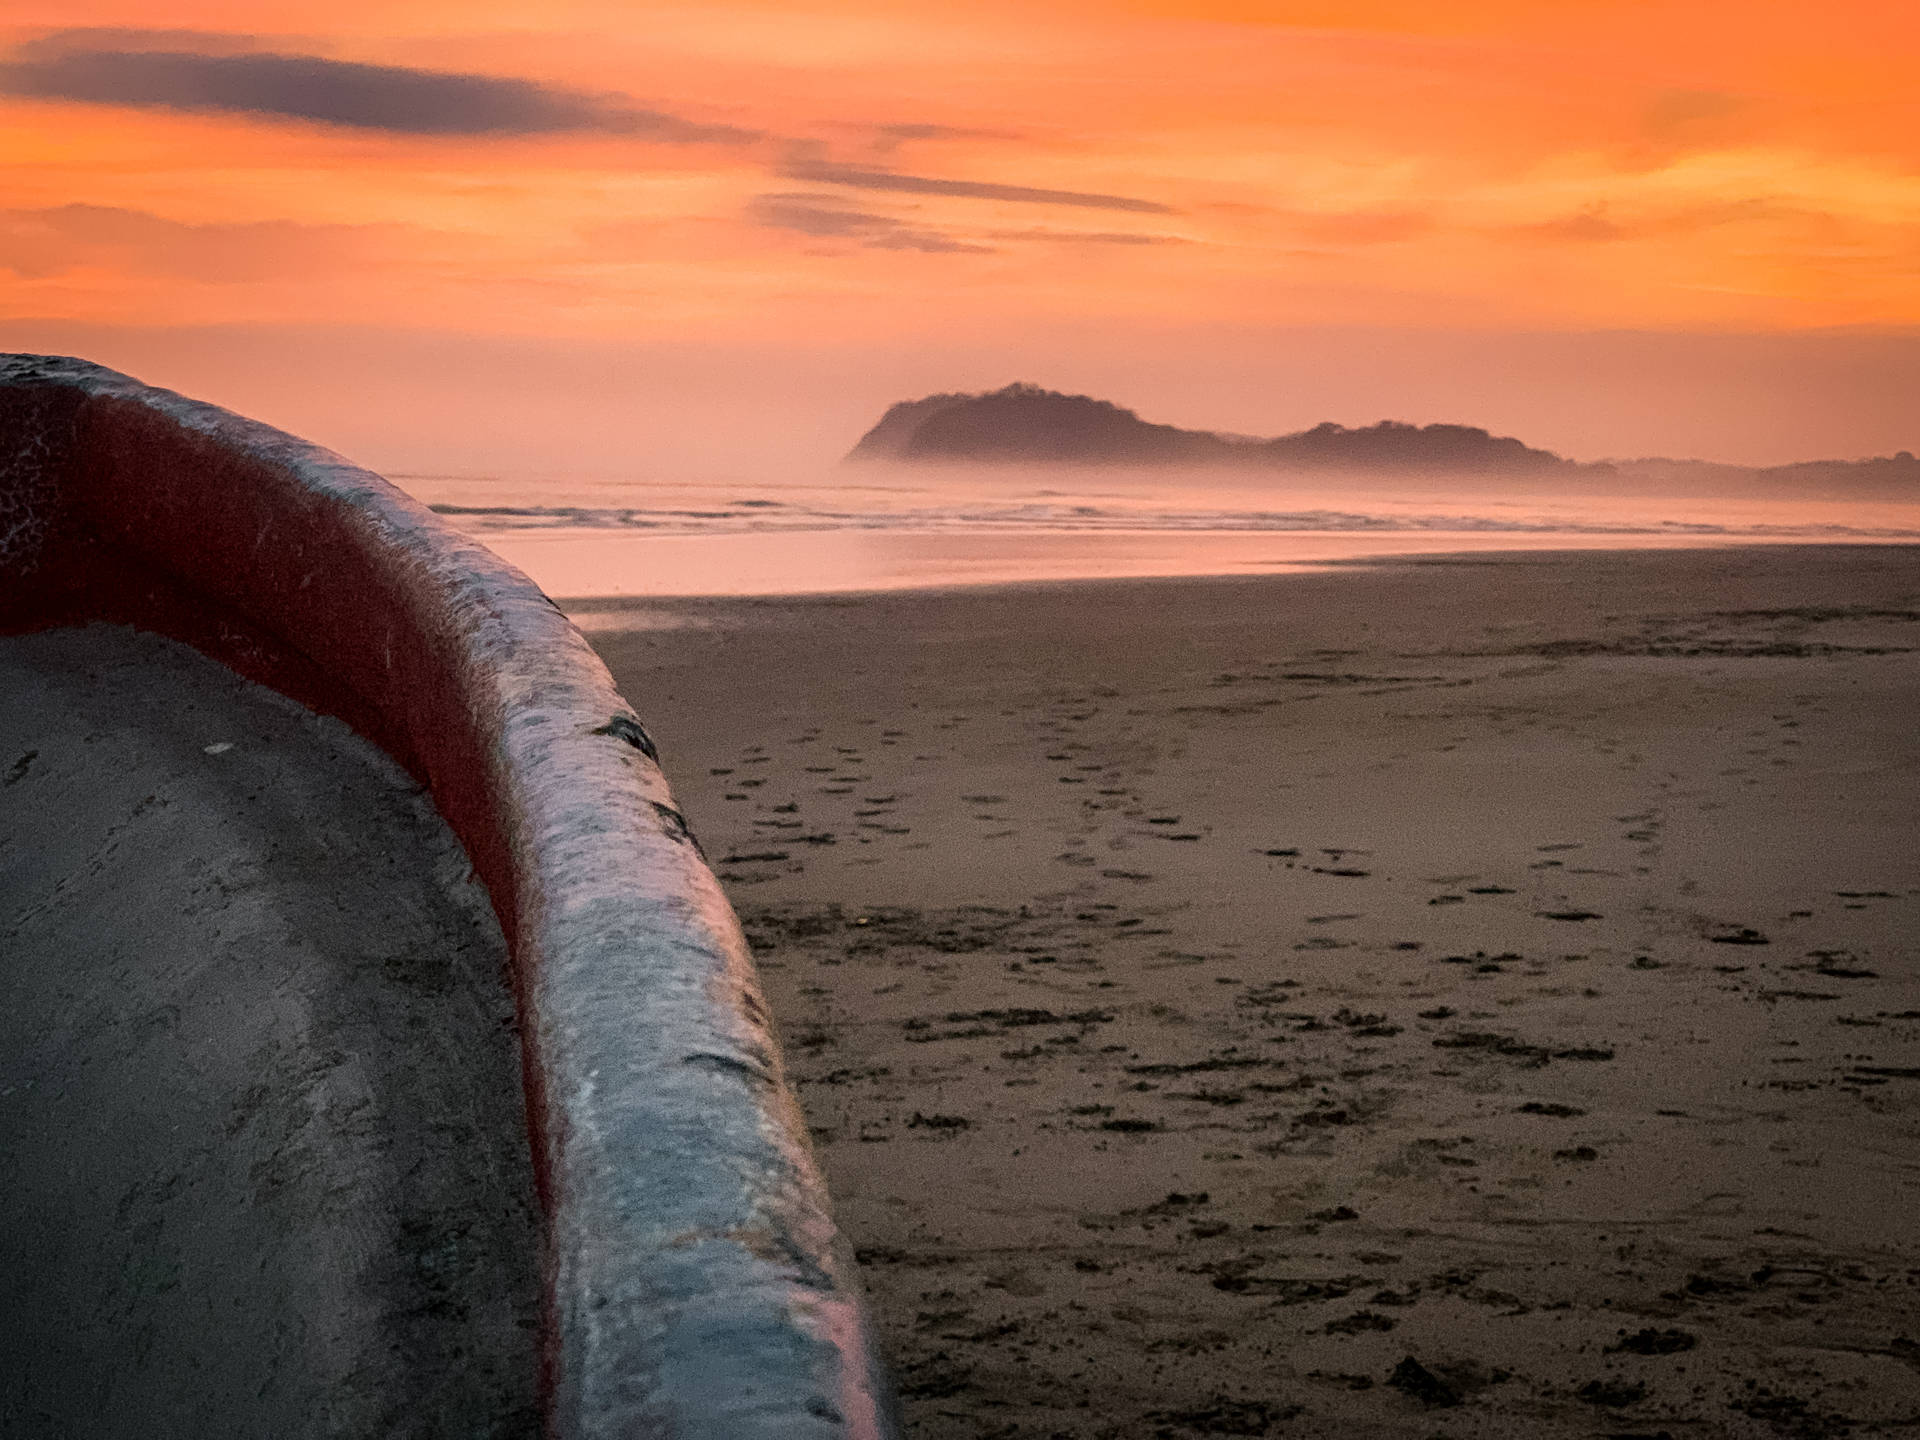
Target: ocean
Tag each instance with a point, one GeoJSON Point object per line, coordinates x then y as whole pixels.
{"type": "Point", "coordinates": [855, 529]}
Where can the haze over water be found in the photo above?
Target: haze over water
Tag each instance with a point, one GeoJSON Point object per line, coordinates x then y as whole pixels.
{"type": "Point", "coordinates": [867, 528]}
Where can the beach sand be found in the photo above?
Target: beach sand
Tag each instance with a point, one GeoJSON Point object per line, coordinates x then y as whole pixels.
{"type": "Point", "coordinates": [1477, 996]}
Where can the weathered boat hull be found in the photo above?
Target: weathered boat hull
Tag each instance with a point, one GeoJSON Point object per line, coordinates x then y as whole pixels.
{"type": "Point", "coordinates": [691, 1281]}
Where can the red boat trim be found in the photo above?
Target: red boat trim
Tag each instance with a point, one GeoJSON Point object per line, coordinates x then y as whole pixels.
{"type": "Point", "coordinates": [695, 1285]}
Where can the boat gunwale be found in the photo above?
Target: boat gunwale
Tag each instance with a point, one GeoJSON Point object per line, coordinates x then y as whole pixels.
{"type": "Point", "coordinates": [694, 1282]}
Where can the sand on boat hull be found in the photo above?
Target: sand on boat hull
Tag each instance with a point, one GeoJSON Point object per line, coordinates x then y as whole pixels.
{"type": "Point", "coordinates": [265, 1164]}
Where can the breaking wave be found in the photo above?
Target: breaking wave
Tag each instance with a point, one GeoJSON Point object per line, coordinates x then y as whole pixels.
{"type": "Point", "coordinates": [754, 516]}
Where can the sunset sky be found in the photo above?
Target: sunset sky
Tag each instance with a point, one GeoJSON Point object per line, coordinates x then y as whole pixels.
{"type": "Point", "coordinates": [458, 234]}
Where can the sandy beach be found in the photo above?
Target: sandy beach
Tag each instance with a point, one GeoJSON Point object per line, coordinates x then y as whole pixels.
{"type": "Point", "coordinates": [1473, 996]}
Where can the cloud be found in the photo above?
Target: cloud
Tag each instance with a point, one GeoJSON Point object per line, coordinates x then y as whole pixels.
{"type": "Point", "coordinates": [921, 131]}
{"type": "Point", "coordinates": [931, 242]}
{"type": "Point", "coordinates": [884, 142]}
{"type": "Point", "coordinates": [39, 243]}
{"type": "Point", "coordinates": [826, 217]}
{"type": "Point", "coordinates": [1092, 237]}
{"type": "Point", "coordinates": [396, 100]}
{"type": "Point", "coordinates": [888, 139]}
{"type": "Point", "coordinates": [824, 172]}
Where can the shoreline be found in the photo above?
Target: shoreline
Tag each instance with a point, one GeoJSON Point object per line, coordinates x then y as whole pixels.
{"type": "Point", "coordinates": [596, 565]}
{"type": "Point", "coordinates": [1207, 995]}
{"type": "Point", "coordinates": [616, 603]}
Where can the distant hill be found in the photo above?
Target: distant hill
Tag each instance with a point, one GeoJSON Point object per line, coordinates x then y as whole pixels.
{"type": "Point", "coordinates": [1884, 477]}
{"type": "Point", "coordinates": [1025, 424]}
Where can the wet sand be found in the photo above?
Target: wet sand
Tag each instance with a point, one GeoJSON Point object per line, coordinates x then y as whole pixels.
{"type": "Point", "coordinates": [586, 561]}
{"type": "Point", "coordinates": [263, 1160]}
{"type": "Point", "coordinates": [1470, 997]}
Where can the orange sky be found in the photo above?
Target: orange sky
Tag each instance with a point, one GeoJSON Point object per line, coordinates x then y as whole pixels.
{"type": "Point", "coordinates": [863, 174]}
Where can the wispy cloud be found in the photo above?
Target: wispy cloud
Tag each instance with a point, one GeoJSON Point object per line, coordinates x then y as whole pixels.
{"type": "Point", "coordinates": [825, 217]}
{"type": "Point", "coordinates": [886, 141]}
{"type": "Point", "coordinates": [825, 172]}
{"type": "Point", "coordinates": [1091, 237]}
{"type": "Point", "coordinates": [911, 130]}
{"type": "Point", "coordinates": [222, 77]}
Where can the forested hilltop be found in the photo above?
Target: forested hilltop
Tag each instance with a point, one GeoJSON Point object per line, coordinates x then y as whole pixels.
{"type": "Point", "coordinates": [1027, 424]}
